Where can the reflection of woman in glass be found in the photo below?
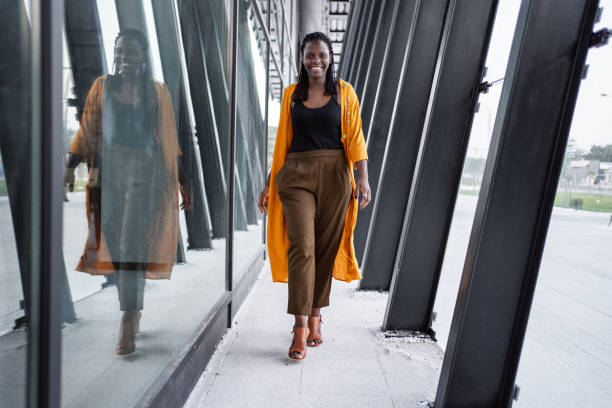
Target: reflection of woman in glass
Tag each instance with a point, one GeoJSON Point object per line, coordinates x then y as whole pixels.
{"type": "Point", "coordinates": [128, 140]}
{"type": "Point", "coordinates": [311, 194]}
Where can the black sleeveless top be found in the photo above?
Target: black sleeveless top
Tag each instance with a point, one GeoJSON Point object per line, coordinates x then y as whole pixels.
{"type": "Point", "coordinates": [316, 128]}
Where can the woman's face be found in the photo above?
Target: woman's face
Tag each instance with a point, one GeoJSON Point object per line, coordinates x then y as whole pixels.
{"type": "Point", "coordinates": [128, 56]}
{"type": "Point", "coordinates": [316, 58]}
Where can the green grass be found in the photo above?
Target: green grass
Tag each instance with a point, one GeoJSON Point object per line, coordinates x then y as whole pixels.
{"type": "Point", "coordinates": [3, 190]}
{"type": "Point", "coordinates": [590, 201]}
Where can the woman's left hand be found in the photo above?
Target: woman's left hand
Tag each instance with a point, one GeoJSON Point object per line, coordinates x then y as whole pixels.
{"type": "Point", "coordinates": [187, 197]}
{"type": "Point", "coordinates": [363, 187]}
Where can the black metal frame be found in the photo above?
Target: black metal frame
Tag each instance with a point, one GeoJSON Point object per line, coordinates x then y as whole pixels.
{"type": "Point", "coordinates": [444, 142]}
{"type": "Point", "coordinates": [402, 145]}
{"type": "Point", "coordinates": [383, 106]}
{"type": "Point", "coordinates": [47, 277]}
{"type": "Point", "coordinates": [515, 203]}
{"type": "Point", "coordinates": [44, 336]}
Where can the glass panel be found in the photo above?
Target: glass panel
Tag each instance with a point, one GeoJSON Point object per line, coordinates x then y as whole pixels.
{"type": "Point", "coordinates": [17, 226]}
{"type": "Point", "coordinates": [473, 168]}
{"type": "Point", "coordinates": [250, 133]}
{"type": "Point", "coordinates": [569, 335]}
{"type": "Point", "coordinates": [145, 215]}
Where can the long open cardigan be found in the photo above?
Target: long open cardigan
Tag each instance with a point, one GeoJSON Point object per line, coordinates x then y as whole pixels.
{"type": "Point", "coordinates": [345, 266]}
{"type": "Point", "coordinates": [163, 238]}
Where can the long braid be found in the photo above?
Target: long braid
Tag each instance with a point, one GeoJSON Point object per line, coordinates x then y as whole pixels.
{"type": "Point", "coordinates": [301, 90]}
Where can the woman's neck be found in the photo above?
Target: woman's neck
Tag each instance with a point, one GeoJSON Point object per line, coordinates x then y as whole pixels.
{"type": "Point", "coordinates": [316, 84]}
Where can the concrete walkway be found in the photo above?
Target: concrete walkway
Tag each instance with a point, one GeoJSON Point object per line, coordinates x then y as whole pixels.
{"type": "Point", "coordinates": [357, 365]}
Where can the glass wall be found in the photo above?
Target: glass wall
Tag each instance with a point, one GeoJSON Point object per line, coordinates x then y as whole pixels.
{"type": "Point", "coordinates": [473, 168]}
{"type": "Point", "coordinates": [250, 133]}
{"type": "Point", "coordinates": [18, 164]}
{"type": "Point", "coordinates": [145, 213]}
{"type": "Point", "coordinates": [567, 353]}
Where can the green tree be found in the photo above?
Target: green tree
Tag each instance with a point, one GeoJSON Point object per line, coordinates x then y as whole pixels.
{"type": "Point", "coordinates": [601, 153]}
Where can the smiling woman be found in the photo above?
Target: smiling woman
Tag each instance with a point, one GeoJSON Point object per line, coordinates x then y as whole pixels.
{"type": "Point", "coordinates": [311, 192]}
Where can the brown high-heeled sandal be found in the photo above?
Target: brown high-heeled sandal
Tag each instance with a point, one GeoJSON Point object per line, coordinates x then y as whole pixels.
{"type": "Point", "coordinates": [315, 337]}
{"type": "Point", "coordinates": [297, 351]}
{"type": "Point", "coordinates": [127, 334]}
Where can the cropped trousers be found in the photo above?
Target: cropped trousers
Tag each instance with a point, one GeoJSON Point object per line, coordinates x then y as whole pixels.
{"type": "Point", "coordinates": [314, 188]}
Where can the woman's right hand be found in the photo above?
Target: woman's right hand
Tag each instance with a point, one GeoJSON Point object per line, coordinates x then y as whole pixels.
{"type": "Point", "coordinates": [263, 199]}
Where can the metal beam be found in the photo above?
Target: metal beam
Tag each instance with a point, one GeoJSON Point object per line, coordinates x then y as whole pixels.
{"type": "Point", "coordinates": [380, 53]}
{"type": "Point", "coordinates": [213, 164]}
{"type": "Point", "coordinates": [362, 28]}
{"type": "Point", "coordinates": [199, 224]}
{"type": "Point", "coordinates": [45, 339]}
{"type": "Point", "coordinates": [229, 243]}
{"type": "Point", "coordinates": [444, 143]}
{"type": "Point", "coordinates": [401, 151]}
{"type": "Point", "coordinates": [513, 211]}
{"type": "Point", "coordinates": [348, 47]}
{"type": "Point", "coordinates": [383, 108]}
{"type": "Point", "coordinates": [372, 31]}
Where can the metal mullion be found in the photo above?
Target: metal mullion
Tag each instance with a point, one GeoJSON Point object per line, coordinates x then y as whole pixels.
{"type": "Point", "coordinates": [366, 15]}
{"type": "Point", "coordinates": [515, 203]}
{"type": "Point", "coordinates": [384, 107]}
{"type": "Point", "coordinates": [380, 52]}
{"type": "Point", "coordinates": [229, 254]}
{"type": "Point", "coordinates": [266, 124]}
{"type": "Point", "coordinates": [199, 225]}
{"type": "Point", "coordinates": [371, 33]}
{"type": "Point", "coordinates": [402, 145]}
{"type": "Point", "coordinates": [446, 133]}
{"type": "Point", "coordinates": [347, 40]}
{"type": "Point", "coordinates": [45, 339]}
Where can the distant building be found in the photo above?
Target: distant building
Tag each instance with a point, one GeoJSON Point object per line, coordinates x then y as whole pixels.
{"type": "Point", "coordinates": [590, 173]}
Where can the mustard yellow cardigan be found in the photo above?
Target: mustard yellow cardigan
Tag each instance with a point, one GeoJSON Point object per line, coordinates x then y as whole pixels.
{"type": "Point", "coordinates": [345, 266]}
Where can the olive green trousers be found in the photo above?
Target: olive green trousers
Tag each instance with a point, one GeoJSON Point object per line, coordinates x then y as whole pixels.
{"type": "Point", "coordinates": [314, 188]}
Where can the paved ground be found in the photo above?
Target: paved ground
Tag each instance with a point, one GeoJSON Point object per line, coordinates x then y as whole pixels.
{"type": "Point", "coordinates": [92, 374]}
{"type": "Point", "coordinates": [567, 354]}
{"type": "Point", "coordinates": [355, 367]}
{"type": "Point", "coordinates": [566, 361]}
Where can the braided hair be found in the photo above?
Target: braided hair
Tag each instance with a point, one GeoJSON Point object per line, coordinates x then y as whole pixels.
{"type": "Point", "coordinates": [301, 90]}
{"type": "Point", "coordinates": [145, 82]}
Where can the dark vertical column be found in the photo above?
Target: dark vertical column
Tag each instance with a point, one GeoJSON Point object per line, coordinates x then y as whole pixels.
{"type": "Point", "coordinates": [199, 225]}
{"type": "Point", "coordinates": [84, 40]}
{"type": "Point", "coordinates": [86, 50]}
{"type": "Point", "coordinates": [45, 336]}
{"type": "Point", "coordinates": [349, 37]}
{"type": "Point", "coordinates": [266, 116]}
{"type": "Point", "coordinates": [16, 131]}
{"type": "Point", "coordinates": [383, 106]}
{"type": "Point", "coordinates": [401, 151]}
{"type": "Point", "coordinates": [206, 124]}
{"type": "Point", "coordinates": [213, 22]}
{"type": "Point", "coordinates": [229, 242]}
{"type": "Point", "coordinates": [372, 31]}
{"type": "Point", "coordinates": [364, 20]}
{"type": "Point", "coordinates": [380, 52]}
{"type": "Point", "coordinates": [438, 170]}
{"type": "Point", "coordinates": [513, 212]}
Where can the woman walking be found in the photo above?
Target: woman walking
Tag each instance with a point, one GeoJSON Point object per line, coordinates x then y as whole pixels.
{"type": "Point", "coordinates": [128, 140]}
{"type": "Point", "coordinates": [311, 195]}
